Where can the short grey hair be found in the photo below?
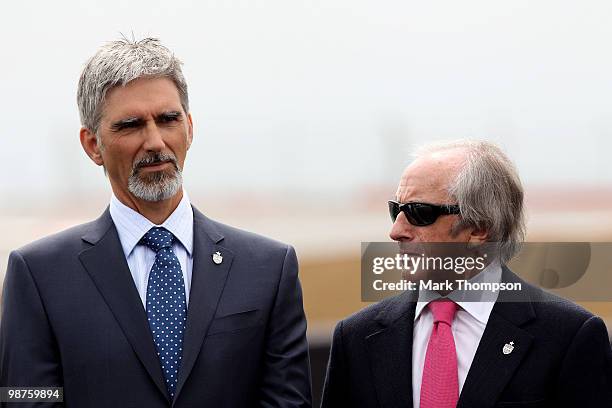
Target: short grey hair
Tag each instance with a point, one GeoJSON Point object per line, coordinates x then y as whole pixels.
{"type": "Point", "coordinates": [116, 64]}
{"type": "Point", "coordinates": [488, 191]}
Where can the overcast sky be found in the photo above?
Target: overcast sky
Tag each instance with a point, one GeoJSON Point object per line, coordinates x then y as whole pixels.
{"type": "Point", "coordinates": [321, 96]}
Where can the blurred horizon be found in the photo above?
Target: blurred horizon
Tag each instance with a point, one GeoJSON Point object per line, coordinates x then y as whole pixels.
{"type": "Point", "coordinates": [305, 114]}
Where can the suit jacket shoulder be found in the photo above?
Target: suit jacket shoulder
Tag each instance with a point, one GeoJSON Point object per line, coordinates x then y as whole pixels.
{"type": "Point", "coordinates": [554, 317]}
{"type": "Point", "coordinates": [63, 247]}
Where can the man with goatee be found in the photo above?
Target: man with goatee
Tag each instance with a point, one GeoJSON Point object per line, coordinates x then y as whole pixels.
{"type": "Point", "coordinates": [153, 304]}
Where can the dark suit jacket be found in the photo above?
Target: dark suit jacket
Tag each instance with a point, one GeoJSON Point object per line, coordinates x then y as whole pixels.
{"type": "Point", "coordinates": [561, 356]}
{"type": "Point", "coordinates": [72, 317]}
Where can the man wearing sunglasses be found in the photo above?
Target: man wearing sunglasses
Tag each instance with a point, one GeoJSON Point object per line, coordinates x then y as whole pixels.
{"type": "Point", "coordinates": [430, 349]}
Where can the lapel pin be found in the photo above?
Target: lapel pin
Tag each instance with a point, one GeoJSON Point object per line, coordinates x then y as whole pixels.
{"type": "Point", "coordinates": [217, 258]}
{"type": "Point", "coordinates": [508, 348]}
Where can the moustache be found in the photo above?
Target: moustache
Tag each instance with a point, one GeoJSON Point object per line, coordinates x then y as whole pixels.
{"type": "Point", "coordinates": [154, 158]}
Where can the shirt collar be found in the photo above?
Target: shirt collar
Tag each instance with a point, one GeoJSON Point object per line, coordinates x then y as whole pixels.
{"type": "Point", "coordinates": [131, 225]}
{"type": "Point", "coordinates": [480, 310]}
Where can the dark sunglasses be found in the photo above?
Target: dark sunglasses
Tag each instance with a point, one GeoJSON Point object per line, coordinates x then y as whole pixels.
{"type": "Point", "coordinates": [421, 214]}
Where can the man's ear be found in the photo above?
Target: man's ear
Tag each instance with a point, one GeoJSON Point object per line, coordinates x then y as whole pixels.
{"type": "Point", "coordinates": [479, 235]}
{"type": "Point", "coordinates": [189, 131]}
{"type": "Point", "coordinates": [90, 145]}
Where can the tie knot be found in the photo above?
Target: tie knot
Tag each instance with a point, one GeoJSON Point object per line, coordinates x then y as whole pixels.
{"type": "Point", "coordinates": [157, 238]}
{"type": "Point", "coordinates": [443, 310]}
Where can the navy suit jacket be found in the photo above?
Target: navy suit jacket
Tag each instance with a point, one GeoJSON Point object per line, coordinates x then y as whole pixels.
{"type": "Point", "coordinates": [561, 357]}
{"type": "Point", "coordinates": [72, 317]}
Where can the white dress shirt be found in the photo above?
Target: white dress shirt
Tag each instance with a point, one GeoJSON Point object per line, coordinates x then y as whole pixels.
{"type": "Point", "coordinates": [132, 226]}
{"type": "Point", "coordinates": [468, 326]}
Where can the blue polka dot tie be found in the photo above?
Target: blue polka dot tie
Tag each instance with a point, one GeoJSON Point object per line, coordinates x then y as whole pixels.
{"type": "Point", "coordinates": [166, 308]}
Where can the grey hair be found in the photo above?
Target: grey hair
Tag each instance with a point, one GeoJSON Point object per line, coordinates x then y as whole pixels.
{"type": "Point", "coordinates": [488, 191]}
{"type": "Point", "coordinates": [116, 64]}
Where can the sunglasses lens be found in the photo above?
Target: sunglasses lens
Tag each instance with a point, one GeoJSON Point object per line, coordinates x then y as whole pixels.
{"type": "Point", "coordinates": [421, 214]}
{"type": "Point", "coordinates": [393, 210]}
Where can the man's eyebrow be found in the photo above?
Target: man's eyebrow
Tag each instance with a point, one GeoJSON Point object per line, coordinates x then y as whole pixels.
{"type": "Point", "coordinates": [128, 122]}
{"type": "Point", "coordinates": [170, 114]}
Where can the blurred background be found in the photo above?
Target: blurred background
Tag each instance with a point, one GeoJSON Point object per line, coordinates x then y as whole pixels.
{"type": "Point", "coordinates": [305, 114]}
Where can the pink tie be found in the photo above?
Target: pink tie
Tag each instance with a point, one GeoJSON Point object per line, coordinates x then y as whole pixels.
{"type": "Point", "coordinates": [440, 386]}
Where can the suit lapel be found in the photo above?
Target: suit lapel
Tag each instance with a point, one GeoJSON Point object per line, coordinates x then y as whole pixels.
{"type": "Point", "coordinates": [491, 369]}
{"type": "Point", "coordinates": [390, 352]}
{"type": "Point", "coordinates": [106, 264]}
{"type": "Point", "coordinates": [207, 283]}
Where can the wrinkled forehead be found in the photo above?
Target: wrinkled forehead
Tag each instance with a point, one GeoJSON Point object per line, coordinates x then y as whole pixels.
{"type": "Point", "coordinates": [428, 178]}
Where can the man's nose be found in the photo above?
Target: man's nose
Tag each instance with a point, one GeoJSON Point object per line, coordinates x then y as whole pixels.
{"type": "Point", "coordinates": [401, 229]}
{"type": "Point", "coordinates": [154, 140]}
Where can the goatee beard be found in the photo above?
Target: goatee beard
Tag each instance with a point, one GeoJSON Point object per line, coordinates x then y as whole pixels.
{"type": "Point", "coordinates": [155, 185]}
